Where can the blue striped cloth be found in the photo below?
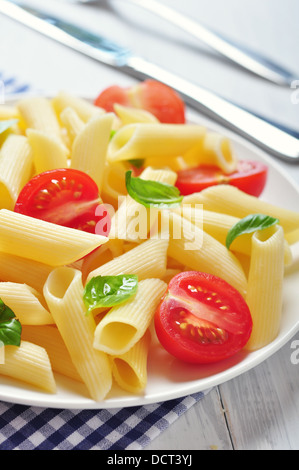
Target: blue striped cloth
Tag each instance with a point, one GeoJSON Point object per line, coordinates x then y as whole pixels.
{"type": "Point", "coordinates": [11, 85]}
{"type": "Point", "coordinates": [34, 428]}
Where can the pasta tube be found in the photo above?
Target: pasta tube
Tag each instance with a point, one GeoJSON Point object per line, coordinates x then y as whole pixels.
{"type": "Point", "coordinates": [213, 150]}
{"type": "Point", "coordinates": [205, 252]}
{"type": "Point", "coordinates": [82, 107]}
{"type": "Point", "coordinates": [146, 260]}
{"type": "Point", "coordinates": [37, 113]}
{"type": "Point", "coordinates": [89, 149]}
{"type": "Point", "coordinates": [101, 256]}
{"type": "Point", "coordinates": [49, 338]}
{"type": "Point", "coordinates": [27, 304]}
{"type": "Point", "coordinates": [228, 199]}
{"type": "Point", "coordinates": [16, 164]}
{"type": "Point", "coordinates": [42, 241]}
{"type": "Point", "coordinates": [153, 140]}
{"type": "Point", "coordinates": [72, 122]}
{"type": "Point", "coordinates": [114, 184]}
{"type": "Point", "coordinates": [130, 369]}
{"type": "Point", "coordinates": [16, 269]}
{"type": "Point", "coordinates": [29, 363]}
{"type": "Point", "coordinates": [129, 115]}
{"type": "Point", "coordinates": [215, 224]}
{"type": "Point", "coordinates": [63, 292]}
{"type": "Point", "coordinates": [218, 225]}
{"type": "Point", "coordinates": [48, 152]}
{"type": "Point", "coordinates": [265, 284]}
{"type": "Point", "coordinates": [124, 325]}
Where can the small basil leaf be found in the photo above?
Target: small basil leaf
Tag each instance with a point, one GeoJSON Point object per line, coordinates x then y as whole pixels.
{"type": "Point", "coordinates": [4, 125]}
{"type": "Point", "coordinates": [108, 291]}
{"type": "Point", "coordinates": [10, 327]}
{"type": "Point", "coordinates": [138, 163]}
{"type": "Point", "coordinates": [152, 193]}
{"type": "Point", "coordinates": [112, 134]}
{"type": "Point", "coordinates": [250, 224]}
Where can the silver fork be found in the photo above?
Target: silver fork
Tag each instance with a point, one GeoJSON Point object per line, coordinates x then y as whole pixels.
{"type": "Point", "coordinates": [246, 59]}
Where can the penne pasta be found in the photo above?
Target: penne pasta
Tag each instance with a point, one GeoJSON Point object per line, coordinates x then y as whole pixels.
{"type": "Point", "coordinates": [72, 122]}
{"type": "Point", "coordinates": [63, 292]}
{"type": "Point", "coordinates": [17, 269]}
{"type": "Point", "coordinates": [130, 369]}
{"type": "Point", "coordinates": [153, 140]}
{"type": "Point", "coordinates": [101, 256]}
{"type": "Point", "coordinates": [147, 260]}
{"type": "Point", "coordinates": [89, 149]}
{"type": "Point", "coordinates": [215, 224]}
{"type": "Point", "coordinates": [16, 166]}
{"type": "Point", "coordinates": [42, 241]}
{"type": "Point", "coordinates": [218, 225]}
{"type": "Point", "coordinates": [129, 115]}
{"type": "Point", "coordinates": [49, 338]}
{"type": "Point", "coordinates": [27, 304]}
{"type": "Point", "coordinates": [124, 325]}
{"type": "Point", "coordinates": [227, 199]}
{"type": "Point", "coordinates": [199, 251]}
{"type": "Point", "coordinates": [37, 113]}
{"type": "Point", "coordinates": [214, 150]}
{"type": "Point", "coordinates": [49, 153]}
{"type": "Point", "coordinates": [114, 185]}
{"type": "Point", "coordinates": [82, 107]}
{"type": "Point", "coordinates": [29, 363]}
{"type": "Point", "coordinates": [265, 286]}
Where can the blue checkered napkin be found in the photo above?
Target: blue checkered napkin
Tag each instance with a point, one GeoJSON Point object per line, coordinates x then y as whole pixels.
{"type": "Point", "coordinates": [32, 428]}
{"type": "Point", "coordinates": [11, 85]}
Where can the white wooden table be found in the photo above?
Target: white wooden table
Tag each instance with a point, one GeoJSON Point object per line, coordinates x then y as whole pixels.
{"type": "Point", "coordinates": [260, 409]}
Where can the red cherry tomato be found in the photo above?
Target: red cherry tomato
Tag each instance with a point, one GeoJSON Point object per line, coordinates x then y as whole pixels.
{"type": "Point", "coordinates": [155, 97]}
{"type": "Point", "coordinates": [250, 177]}
{"type": "Point", "coordinates": [110, 96]}
{"type": "Point", "coordinates": [65, 197]}
{"type": "Point", "coordinates": [202, 319]}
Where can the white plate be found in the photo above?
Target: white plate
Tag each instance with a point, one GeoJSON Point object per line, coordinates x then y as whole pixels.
{"type": "Point", "coordinates": [168, 378]}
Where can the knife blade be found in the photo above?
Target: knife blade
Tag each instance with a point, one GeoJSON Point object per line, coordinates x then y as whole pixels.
{"type": "Point", "coordinates": [263, 134]}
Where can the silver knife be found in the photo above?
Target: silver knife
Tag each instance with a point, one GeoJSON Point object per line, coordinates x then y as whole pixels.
{"type": "Point", "coordinates": [243, 57]}
{"type": "Point", "coordinates": [261, 133]}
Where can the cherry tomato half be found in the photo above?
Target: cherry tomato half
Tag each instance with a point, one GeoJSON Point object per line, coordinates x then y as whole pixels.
{"type": "Point", "coordinates": [65, 197]}
{"type": "Point", "coordinates": [155, 97]}
{"type": "Point", "coordinates": [202, 319]}
{"type": "Point", "coordinates": [250, 177]}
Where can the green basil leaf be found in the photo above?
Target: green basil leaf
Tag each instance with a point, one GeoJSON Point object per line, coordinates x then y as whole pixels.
{"type": "Point", "coordinates": [10, 327]}
{"type": "Point", "coordinates": [112, 134]}
{"type": "Point", "coordinates": [108, 291]}
{"type": "Point", "coordinates": [152, 193]}
{"type": "Point", "coordinates": [4, 125]}
{"type": "Point", "coordinates": [138, 163]}
{"type": "Point", "coordinates": [250, 224]}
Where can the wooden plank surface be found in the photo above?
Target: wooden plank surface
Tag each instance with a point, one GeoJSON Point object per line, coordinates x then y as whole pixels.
{"type": "Point", "coordinates": [203, 427]}
{"type": "Point", "coordinates": [262, 406]}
